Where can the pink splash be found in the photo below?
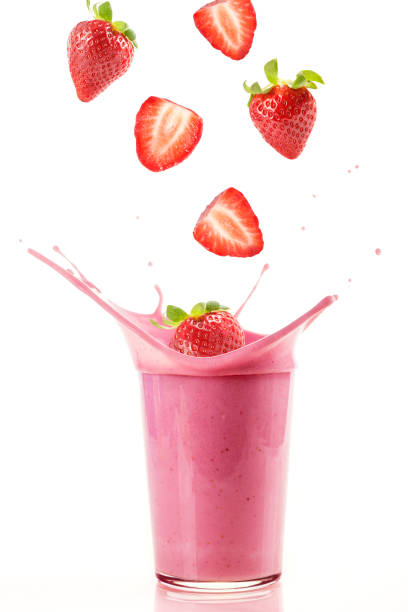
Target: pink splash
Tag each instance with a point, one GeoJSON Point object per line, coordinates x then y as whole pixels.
{"type": "Point", "coordinates": [149, 345]}
{"type": "Point", "coordinates": [69, 270]}
{"type": "Point", "coordinates": [356, 166]}
{"type": "Point", "coordinates": [378, 251]}
{"type": "Point", "coordinates": [251, 293]}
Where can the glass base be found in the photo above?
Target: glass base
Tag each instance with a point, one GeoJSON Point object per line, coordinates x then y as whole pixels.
{"type": "Point", "coordinates": [216, 587]}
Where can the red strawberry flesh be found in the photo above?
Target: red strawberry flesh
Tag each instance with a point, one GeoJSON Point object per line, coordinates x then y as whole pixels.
{"type": "Point", "coordinates": [229, 26]}
{"type": "Point", "coordinates": [228, 226]}
{"type": "Point", "coordinates": [166, 133]}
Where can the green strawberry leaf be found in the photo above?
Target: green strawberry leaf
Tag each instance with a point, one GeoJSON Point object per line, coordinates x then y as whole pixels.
{"type": "Point", "coordinates": [255, 88]}
{"type": "Point", "coordinates": [198, 309]}
{"type": "Point", "coordinates": [271, 71]}
{"type": "Point", "coordinates": [95, 9]}
{"type": "Point", "coordinates": [156, 324]}
{"type": "Point", "coordinates": [310, 75]}
{"type": "Point", "coordinates": [213, 306]}
{"type": "Point", "coordinates": [121, 26]}
{"type": "Point", "coordinates": [175, 314]}
{"type": "Point", "coordinates": [105, 11]}
{"type": "Point", "coordinates": [130, 34]}
{"type": "Point", "coordinates": [299, 82]}
{"type": "Point", "coordinates": [305, 78]}
{"type": "Point", "coordinates": [169, 323]}
{"type": "Point", "coordinates": [88, 4]}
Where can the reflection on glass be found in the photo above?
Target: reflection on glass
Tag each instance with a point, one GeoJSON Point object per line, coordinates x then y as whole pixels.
{"type": "Point", "coordinates": [263, 600]}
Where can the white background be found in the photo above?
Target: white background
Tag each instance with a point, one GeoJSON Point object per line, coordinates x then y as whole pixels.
{"type": "Point", "coordinates": [74, 522]}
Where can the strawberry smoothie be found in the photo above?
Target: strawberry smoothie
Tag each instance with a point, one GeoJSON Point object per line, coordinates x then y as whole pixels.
{"type": "Point", "coordinates": [217, 431]}
{"type": "Point", "coordinates": [217, 449]}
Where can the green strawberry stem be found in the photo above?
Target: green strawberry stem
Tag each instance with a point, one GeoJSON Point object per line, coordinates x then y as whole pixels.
{"type": "Point", "coordinates": [175, 315]}
{"type": "Point", "coordinates": [103, 11]}
{"type": "Point", "coordinates": [304, 78]}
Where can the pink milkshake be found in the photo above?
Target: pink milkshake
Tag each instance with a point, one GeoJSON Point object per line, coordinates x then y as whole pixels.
{"type": "Point", "coordinates": [217, 434]}
{"type": "Point", "coordinates": [217, 451]}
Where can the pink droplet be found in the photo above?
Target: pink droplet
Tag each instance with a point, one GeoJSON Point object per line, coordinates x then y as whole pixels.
{"type": "Point", "coordinates": [378, 251]}
{"type": "Point", "coordinates": [349, 171]}
{"type": "Point", "coordinates": [356, 166]}
{"type": "Point", "coordinates": [137, 218]}
{"type": "Point", "coordinates": [150, 263]}
{"type": "Point", "coordinates": [313, 195]}
{"type": "Point", "coordinates": [349, 280]}
{"type": "Point", "coordinates": [20, 240]}
{"type": "Point", "coordinates": [303, 228]}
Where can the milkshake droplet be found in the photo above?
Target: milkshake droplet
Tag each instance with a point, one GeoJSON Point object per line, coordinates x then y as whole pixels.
{"type": "Point", "coordinates": [378, 251]}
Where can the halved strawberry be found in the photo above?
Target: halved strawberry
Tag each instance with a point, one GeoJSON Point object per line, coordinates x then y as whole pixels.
{"type": "Point", "coordinates": [166, 133]}
{"type": "Point", "coordinates": [228, 226]}
{"type": "Point", "coordinates": [228, 25]}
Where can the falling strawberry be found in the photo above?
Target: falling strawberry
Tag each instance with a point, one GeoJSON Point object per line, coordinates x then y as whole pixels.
{"type": "Point", "coordinates": [229, 25]}
{"type": "Point", "coordinates": [228, 226]}
{"type": "Point", "coordinates": [284, 111]}
{"type": "Point", "coordinates": [99, 52]}
{"type": "Point", "coordinates": [166, 133]}
{"type": "Point", "coordinates": [207, 331]}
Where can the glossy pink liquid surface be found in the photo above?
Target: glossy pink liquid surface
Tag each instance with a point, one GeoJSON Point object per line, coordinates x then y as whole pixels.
{"type": "Point", "coordinates": [217, 451]}
{"type": "Point", "coordinates": [217, 443]}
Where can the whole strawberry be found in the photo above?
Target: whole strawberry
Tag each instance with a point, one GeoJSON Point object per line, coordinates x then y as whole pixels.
{"type": "Point", "coordinates": [207, 331]}
{"type": "Point", "coordinates": [99, 52]}
{"type": "Point", "coordinates": [284, 111]}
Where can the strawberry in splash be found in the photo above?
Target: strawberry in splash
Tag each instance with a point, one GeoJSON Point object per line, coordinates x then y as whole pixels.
{"type": "Point", "coordinates": [284, 111]}
{"type": "Point", "coordinates": [99, 51]}
{"type": "Point", "coordinates": [207, 331]}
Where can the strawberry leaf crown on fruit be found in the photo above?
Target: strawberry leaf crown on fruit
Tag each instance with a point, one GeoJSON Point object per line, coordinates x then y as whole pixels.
{"type": "Point", "coordinates": [304, 78]}
{"type": "Point", "coordinates": [103, 11]}
{"type": "Point", "coordinates": [174, 315]}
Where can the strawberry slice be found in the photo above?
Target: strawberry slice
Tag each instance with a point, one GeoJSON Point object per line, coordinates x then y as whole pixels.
{"type": "Point", "coordinates": [228, 25]}
{"type": "Point", "coordinates": [228, 226]}
{"type": "Point", "coordinates": [166, 133]}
